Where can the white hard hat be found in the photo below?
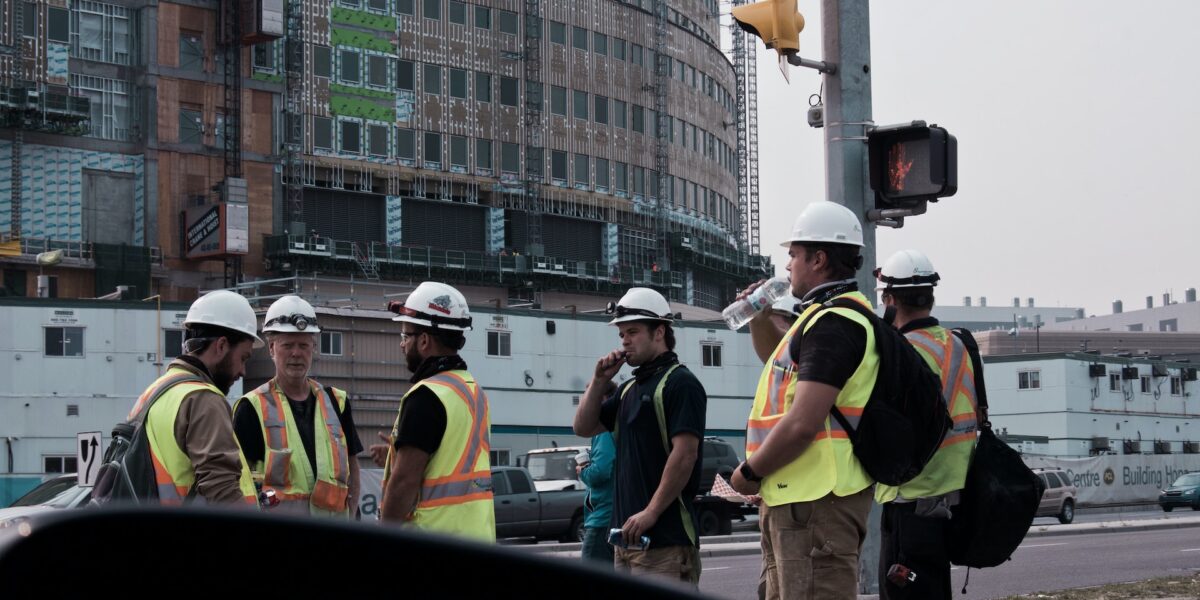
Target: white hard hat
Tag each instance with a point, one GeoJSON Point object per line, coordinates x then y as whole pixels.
{"type": "Point", "coordinates": [436, 305]}
{"type": "Point", "coordinates": [641, 304]}
{"type": "Point", "coordinates": [906, 269]}
{"type": "Point", "coordinates": [223, 308]}
{"type": "Point", "coordinates": [788, 304]}
{"type": "Point", "coordinates": [826, 223]}
{"type": "Point", "coordinates": [291, 314]}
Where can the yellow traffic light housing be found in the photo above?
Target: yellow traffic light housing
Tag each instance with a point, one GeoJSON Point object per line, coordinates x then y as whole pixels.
{"type": "Point", "coordinates": [776, 22]}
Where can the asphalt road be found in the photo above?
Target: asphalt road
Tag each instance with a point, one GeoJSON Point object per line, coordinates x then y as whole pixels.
{"type": "Point", "coordinates": [1045, 563]}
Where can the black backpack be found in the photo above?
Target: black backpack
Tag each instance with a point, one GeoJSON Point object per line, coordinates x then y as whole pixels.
{"type": "Point", "coordinates": [1001, 496]}
{"type": "Point", "coordinates": [127, 474]}
{"type": "Point", "coordinates": [905, 419]}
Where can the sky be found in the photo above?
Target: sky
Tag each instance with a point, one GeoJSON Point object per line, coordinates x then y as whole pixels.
{"type": "Point", "coordinates": [1077, 126]}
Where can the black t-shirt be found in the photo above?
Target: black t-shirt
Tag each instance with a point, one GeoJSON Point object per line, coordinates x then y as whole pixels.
{"type": "Point", "coordinates": [830, 351]}
{"type": "Point", "coordinates": [641, 459]}
{"type": "Point", "coordinates": [422, 421]}
{"type": "Point", "coordinates": [250, 433]}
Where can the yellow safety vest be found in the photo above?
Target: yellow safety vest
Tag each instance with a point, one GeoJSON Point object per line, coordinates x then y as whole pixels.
{"type": "Point", "coordinates": [456, 489]}
{"type": "Point", "coordinates": [828, 464]}
{"type": "Point", "coordinates": [173, 470]}
{"type": "Point", "coordinates": [947, 470]}
{"type": "Point", "coordinates": [285, 468]}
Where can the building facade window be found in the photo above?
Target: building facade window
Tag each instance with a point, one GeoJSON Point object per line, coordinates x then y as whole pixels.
{"type": "Point", "coordinates": [510, 158]}
{"type": "Point", "coordinates": [100, 32]}
{"type": "Point", "coordinates": [458, 153]}
{"type": "Point", "coordinates": [579, 38]}
{"type": "Point", "coordinates": [351, 137]}
{"type": "Point", "coordinates": [377, 71]}
{"type": "Point", "coordinates": [432, 79]}
{"type": "Point", "coordinates": [322, 61]}
{"type": "Point", "coordinates": [579, 101]}
{"type": "Point", "coordinates": [483, 155]}
{"type": "Point", "coordinates": [506, 22]}
{"type": "Point", "coordinates": [191, 51]}
{"type": "Point", "coordinates": [458, 83]}
{"type": "Point", "coordinates": [509, 91]}
{"type": "Point", "coordinates": [406, 144]}
{"type": "Point", "coordinates": [331, 343]}
{"type": "Point", "coordinates": [431, 9]}
{"type": "Point", "coordinates": [59, 464]}
{"type": "Point", "coordinates": [1029, 380]}
{"type": "Point", "coordinates": [348, 68]}
{"type": "Point", "coordinates": [377, 140]}
{"type": "Point", "coordinates": [1114, 382]}
{"type": "Point", "coordinates": [264, 57]}
{"type": "Point", "coordinates": [323, 133]}
{"type": "Point", "coordinates": [499, 343]}
{"type": "Point", "coordinates": [483, 17]}
{"type": "Point", "coordinates": [456, 12]}
{"type": "Point", "coordinates": [558, 33]}
{"type": "Point", "coordinates": [64, 341]}
{"type": "Point", "coordinates": [600, 109]}
{"type": "Point", "coordinates": [433, 150]}
{"type": "Point", "coordinates": [582, 171]}
{"type": "Point", "coordinates": [483, 87]}
{"type": "Point", "coordinates": [111, 115]}
{"type": "Point", "coordinates": [711, 354]}
{"type": "Point", "coordinates": [1176, 385]}
{"type": "Point", "coordinates": [406, 77]}
{"type": "Point", "coordinates": [172, 343]}
{"type": "Point", "coordinates": [1145, 380]}
{"type": "Point", "coordinates": [191, 125]}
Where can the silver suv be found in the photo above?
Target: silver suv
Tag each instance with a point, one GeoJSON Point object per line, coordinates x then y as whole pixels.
{"type": "Point", "coordinates": [1059, 497]}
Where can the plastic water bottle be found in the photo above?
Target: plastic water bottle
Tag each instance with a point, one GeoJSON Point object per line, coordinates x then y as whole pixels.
{"type": "Point", "coordinates": [741, 311]}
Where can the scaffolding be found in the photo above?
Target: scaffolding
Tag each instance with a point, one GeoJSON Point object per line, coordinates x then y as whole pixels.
{"type": "Point", "coordinates": [294, 168]}
{"type": "Point", "coordinates": [738, 38]}
{"type": "Point", "coordinates": [752, 146]}
{"type": "Point", "coordinates": [662, 131]}
{"type": "Point", "coordinates": [535, 149]}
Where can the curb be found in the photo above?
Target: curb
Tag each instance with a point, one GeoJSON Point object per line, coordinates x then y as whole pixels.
{"type": "Point", "coordinates": [748, 543]}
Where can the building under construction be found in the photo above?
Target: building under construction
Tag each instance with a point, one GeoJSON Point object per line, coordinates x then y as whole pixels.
{"type": "Point", "coordinates": [530, 146]}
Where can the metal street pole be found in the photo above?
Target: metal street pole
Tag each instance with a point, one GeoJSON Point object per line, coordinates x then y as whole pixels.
{"type": "Point", "coordinates": [846, 34]}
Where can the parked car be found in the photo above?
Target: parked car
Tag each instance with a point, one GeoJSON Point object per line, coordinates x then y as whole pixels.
{"type": "Point", "coordinates": [1184, 492]}
{"type": "Point", "coordinates": [553, 469]}
{"type": "Point", "coordinates": [522, 511]}
{"type": "Point", "coordinates": [1059, 497]}
{"type": "Point", "coordinates": [60, 491]}
{"type": "Point", "coordinates": [718, 458]}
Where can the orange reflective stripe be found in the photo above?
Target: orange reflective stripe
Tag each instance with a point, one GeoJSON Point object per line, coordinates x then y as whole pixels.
{"type": "Point", "coordinates": [956, 439]}
{"type": "Point", "coordinates": [333, 426]}
{"type": "Point", "coordinates": [455, 500]}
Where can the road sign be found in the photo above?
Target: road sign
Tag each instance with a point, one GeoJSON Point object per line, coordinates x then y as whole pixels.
{"type": "Point", "coordinates": [88, 458]}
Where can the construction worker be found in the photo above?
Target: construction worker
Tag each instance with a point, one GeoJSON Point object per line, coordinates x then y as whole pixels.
{"type": "Point", "coordinates": [195, 454]}
{"type": "Point", "coordinates": [916, 515]}
{"type": "Point", "coordinates": [815, 493]}
{"type": "Point", "coordinates": [437, 475]}
{"type": "Point", "coordinates": [595, 470]}
{"type": "Point", "coordinates": [657, 420]}
{"type": "Point", "coordinates": [312, 470]}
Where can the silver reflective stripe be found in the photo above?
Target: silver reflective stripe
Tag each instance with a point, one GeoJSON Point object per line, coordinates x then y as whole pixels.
{"type": "Point", "coordinates": [477, 403]}
{"type": "Point", "coordinates": [937, 351]}
{"type": "Point", "coordinates": [272, 418]}
{"type": "Point", "coordinates": [276, 471]}
{"type": "Point", "coordinates": [456, 489]}
{"type": "Point", "coordinates": [334, 427]}
{"type": "Point", "coordinates": [756, 435]}
{"type": "Point", "coordinates": [168, 493]}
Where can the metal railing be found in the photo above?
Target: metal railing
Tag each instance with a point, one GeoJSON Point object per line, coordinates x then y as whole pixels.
{"type": "Point", "coordinates": [78, 250]}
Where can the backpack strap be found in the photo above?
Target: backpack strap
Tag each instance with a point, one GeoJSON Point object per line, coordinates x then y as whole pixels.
{"type": "Point", "coordinates": [860, 309]}
{"type": "Point", "coordinates": [968, 340]}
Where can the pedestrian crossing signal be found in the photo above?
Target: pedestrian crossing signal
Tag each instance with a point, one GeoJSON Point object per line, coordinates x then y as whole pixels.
{"type": "Point", "coordinates": [911, 164]}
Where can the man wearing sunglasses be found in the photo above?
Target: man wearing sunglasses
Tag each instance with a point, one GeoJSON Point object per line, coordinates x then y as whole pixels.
{"type": "Point", "coordinates": [436, 471]}
{"type": "Point", "coordinates": [298, 435]}
{"type": "Point", "coordinates": [657, 419]}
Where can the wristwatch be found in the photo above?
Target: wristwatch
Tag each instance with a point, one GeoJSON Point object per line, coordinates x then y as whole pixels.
{"type": "Point", "coordinates": [748, 474]}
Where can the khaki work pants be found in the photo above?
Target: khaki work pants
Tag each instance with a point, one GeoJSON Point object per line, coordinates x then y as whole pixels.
{"type": "Point", "coordinates": [677, 563]}
{"type": "Point", "coordinates": [810, 549]}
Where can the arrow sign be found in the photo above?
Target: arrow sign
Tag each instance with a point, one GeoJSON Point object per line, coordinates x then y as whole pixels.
{"type": "Point", "coordinates": [88, 458]}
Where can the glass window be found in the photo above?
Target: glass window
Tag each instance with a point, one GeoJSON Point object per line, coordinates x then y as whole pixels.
{"type": "Point", "coordinates": [582, 168]}
{"type": "Point", "coordinates": [58, 464]}
{"type": "Point", "coordinates": [620, 176]}
{"type": "Point", "coordinates": [499, 343]}
{"type": "Point", "coordinates": [406, 75]}
{"type": "Point", "coordinates": [29, 19]}
{"type": "Point", "coordinates": [1145, 380]}
{"type": "Point", "coordinates": [191, 49]}
{"type": "Point", "coordinates": [639, 119]}
{"type": "Point", "coordinates": [483, 87]}
{"type": "Point", "coordinates": [64, 341]}
{"type": "Point", "coordinates": [558, 165]}
{"type": "Point", "coordinates": [711, 354]}
{"type": "Point", "coordinates": [580, 103]}
{"type": "Point", "coordinates": [458, 151]}
{"type": "Point", "coordinates": [404, 7]}
{"type": "Point", "coordinates": [519, 482]}
{"type": "Point", "coordinates": [506, 21]}
{"type": "Point", "coordinates": [406, 144]}
{"type": "Point", "coordinates": [458, 83]}
{"type": "Point", "coordinates": [510, 158]}
{"type": "Point", "coordinates": [377, 140]}
{"type": "Point", "coordinates": [323, 133]}
{"type": "Point", "coordinates": [351, 137]}
{"type": "Point", "coordinates": [1176, 386]}
{"type": "Point", "coordinates": [432, 79]}
{"type": "Point", "coordinates": [483, 17]}
{"type": "Point", "coordinates": [619, 118]}
{"type": "Point", "coordinates": [377, 68]}
{"type": "Point", "coordinates": [618, 49]}
{"type": "Point", "coordinates": [602, 172]}
{"type": "Point", "coordinates": [558, 100]}
{"type": "Point", "coordinates": [1029, 380]}
{"type": "Point", "coordinates": [600, 109]}
{"type": "Point", "coordinates": [483, 154]}
{"type": "Point", "coordinates": [1114, 382]}
{"type": "Point", "coordinates": [636, 55]}
{"type": "Point", "coordinates": [558, 33]}
{"type": "Point", "coordinates": [349, 71]}
{"type": "Point", "coordinates": [433, 148]}
{"type": "Point", "coordinates": [191, 128]}
{"type": "Point", "coordinates": [378, 5]}
{"type": "Point", "coordinates": [431, 9]}
{"type": "Point", "coordinates": [172, 343]}
{"type": "Point", "coordinates": [322, 61]}
{"type": "Point", "coordinates": [58, 24]}
{"type": "Point", "coordinates": [500, 482]}
{"type": "Point", "coordinates": [509, 91]}
{"type": "Point", "coordinates": [456, 12]}
{"type": "Point", "coordinates": [600, 43]}
{"type": "Point", "coordinates": [331, 343]}
{"type": "Point", "coordinates": [579, 38]}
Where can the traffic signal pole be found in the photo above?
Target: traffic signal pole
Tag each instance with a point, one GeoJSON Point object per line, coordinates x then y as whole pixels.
{"type": "Point", "coordinates": [846, 35]}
